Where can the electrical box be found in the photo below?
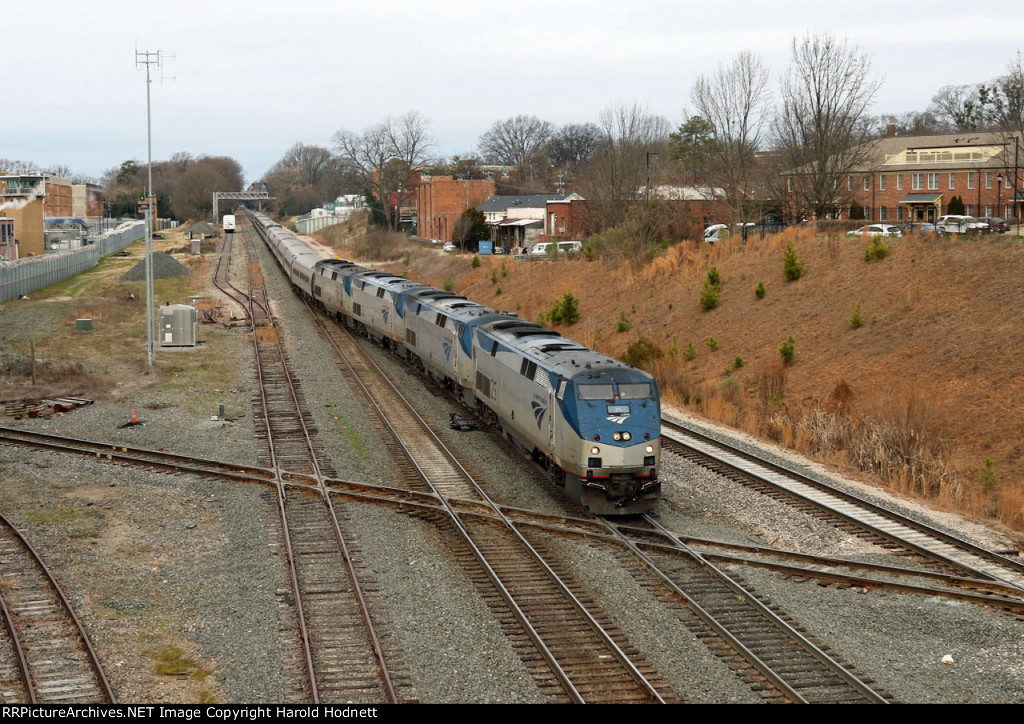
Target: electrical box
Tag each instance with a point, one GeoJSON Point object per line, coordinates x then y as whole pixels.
{"type": "Point", "coordinates": [178, 326]}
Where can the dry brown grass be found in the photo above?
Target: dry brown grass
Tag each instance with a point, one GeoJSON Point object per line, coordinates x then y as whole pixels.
{"type": "Point", "coordinates": [916, 399]}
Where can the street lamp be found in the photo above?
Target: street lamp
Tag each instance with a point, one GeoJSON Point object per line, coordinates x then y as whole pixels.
{"type": "Point", "coordinates": [999, 193]}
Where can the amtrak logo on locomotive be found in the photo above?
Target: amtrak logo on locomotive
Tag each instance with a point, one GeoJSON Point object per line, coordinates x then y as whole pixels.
{"type": "Point", "coordinates": [539, 411]}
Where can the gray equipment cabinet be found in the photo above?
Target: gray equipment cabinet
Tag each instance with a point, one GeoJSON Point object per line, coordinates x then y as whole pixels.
{"type": "Point", "coordinates": [179, 326]}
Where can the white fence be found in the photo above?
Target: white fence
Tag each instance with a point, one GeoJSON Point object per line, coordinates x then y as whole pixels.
{"type": "Point", "coordinates": [25, 276]}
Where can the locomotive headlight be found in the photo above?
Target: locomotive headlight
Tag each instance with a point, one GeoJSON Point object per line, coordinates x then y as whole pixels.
{"type": "Point", "coordinates": [595, 450]}
{"type": "Point", "coordinates": [649, 448]}
{"type": "Point", "coordinates": [617, 436]}
{"type": "Point", "coordinates": [626, 436]}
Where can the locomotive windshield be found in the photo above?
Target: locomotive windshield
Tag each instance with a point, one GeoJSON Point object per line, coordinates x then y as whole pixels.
{"type": "Point", "coordinates": [635, 391]}
{"type": "Point", "coordinates": [630, 391]}
{"type": "Point", "coordinates": [595, 392]}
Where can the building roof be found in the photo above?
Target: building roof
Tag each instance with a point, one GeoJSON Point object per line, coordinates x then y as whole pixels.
{"type": "Point", "coordinates": [500, 204]}
{"type": "Point", "coordinates": [921, 154]}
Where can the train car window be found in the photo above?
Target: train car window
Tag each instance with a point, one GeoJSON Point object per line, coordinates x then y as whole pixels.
{"type": "Point", "coordinates": [494, 348]}
{"type": "Point", "coordinates": [635, 391]}
{"type": "Point", "coordinates": [441, 319]}
{"type": "Point", "coordinates": [595, 392]}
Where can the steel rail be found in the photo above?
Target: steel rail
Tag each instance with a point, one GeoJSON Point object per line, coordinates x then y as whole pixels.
{"type": "Point", "coordinates": [378, 652]}
{"type": "Point", "coordinates": [491, 573]}
{"type": "Point", "coordinates": [94, 661]}
{"type": "Point", "coordinates": [866, 505]}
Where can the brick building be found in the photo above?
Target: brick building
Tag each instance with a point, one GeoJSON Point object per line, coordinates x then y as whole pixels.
{"type": "Point", "coordinates": [34, 199]}
{"type": "Point", "coordinates": [441, 200]}
{"type": "Point", "coordinates": [913, 178]}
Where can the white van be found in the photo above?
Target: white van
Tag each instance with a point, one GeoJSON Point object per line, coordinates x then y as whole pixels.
{"type": "Point", "coordinates": [570, 249]}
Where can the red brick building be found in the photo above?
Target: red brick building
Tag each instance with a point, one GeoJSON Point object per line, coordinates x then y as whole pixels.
{"type": "Point", "coordinates": [913, 178]}
{"type": "Point", "coordinates": [440, 201]}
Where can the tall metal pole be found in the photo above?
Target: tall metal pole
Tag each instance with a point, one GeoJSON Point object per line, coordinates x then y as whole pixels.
{"type": "Point", "coordinates": [149, 58]}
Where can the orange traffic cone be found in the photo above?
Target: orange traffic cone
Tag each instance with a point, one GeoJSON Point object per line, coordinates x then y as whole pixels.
{"type": "Point", "coordinates": [135, 420]}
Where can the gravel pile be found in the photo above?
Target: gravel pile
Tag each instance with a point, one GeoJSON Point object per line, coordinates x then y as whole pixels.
{"type": "Point", "coordinates": [164, 267]}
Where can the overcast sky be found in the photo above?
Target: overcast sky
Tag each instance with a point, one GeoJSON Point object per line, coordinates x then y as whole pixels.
{"type": "Point", "coordinates": [252, 78]}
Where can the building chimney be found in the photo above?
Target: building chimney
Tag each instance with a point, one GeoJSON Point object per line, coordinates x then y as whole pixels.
{"type": "Point", "coordinates": [890, 130]}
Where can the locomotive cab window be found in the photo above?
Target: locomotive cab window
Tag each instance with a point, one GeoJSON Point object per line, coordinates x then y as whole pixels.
{"type": "Point", "coordinates": [635, 391]}
{"type": "Point", "coordinates": [595, 392]}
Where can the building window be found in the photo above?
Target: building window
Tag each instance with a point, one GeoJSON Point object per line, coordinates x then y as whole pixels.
{"type": "Point", "coordinates": [988, 179]}
{"type": "Point", "coordinates": [899, 213]}
{"type": "Point", "coordinates": [867, 213]}
{"type": "Point", "coordinates": [970, 180]}
{"type": "Point", "coordinates": [917, 181]}
{"type": "Point", "coordinates": [881, 182]}
{"type": "Point", "coordinates": [867, 183]}
{"type": "Point", "coordinates": [899, 182]}
{"type": "Point", "coordinates": [1006, 181]}
{"type": "Point", "coordinates": [849, 183]}
{"type": "Point", "coordinates": [882, 213]}
{"type": "Point", "coordinates": [789, 185]}
{"type": "Point", "coordinates": [970, 209]}
{"type": "Point", "coordinates": [952, 180]}
{"type": "Point", "coordinates": [1007, 211]}
{"type": "Point", "coordinates": [933, 181]}
{"type": "Point", "coordinates": [988, 211]}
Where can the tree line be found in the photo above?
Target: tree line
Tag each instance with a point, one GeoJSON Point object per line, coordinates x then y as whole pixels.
{"type": "Point", "coordinates": [742, 132]}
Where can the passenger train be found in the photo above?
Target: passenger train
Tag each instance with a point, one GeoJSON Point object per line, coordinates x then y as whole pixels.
{"type": "Point", "coordinates": [593, 422]}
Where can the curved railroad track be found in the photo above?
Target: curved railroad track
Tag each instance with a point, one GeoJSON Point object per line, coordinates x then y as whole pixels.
{"type": "Point", "coordinates": [45, 655]}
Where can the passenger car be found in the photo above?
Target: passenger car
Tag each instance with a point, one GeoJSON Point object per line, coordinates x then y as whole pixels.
{"type": "Point", "coordinates": [877, 230]}
{"type": "Point", "coordinates": [921, 227]}
{"type": "Point", "coordinates": [956, 224]}
{"type": "Point", "coordinates": [542, 250]}
{"type": "Point", "coordinates": [448, 247]}
{"type": "Point", "coordinates": [995, 224]}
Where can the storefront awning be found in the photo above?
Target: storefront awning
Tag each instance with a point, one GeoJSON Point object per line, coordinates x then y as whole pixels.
{"type": "Point", "coordinates": [921, 199]}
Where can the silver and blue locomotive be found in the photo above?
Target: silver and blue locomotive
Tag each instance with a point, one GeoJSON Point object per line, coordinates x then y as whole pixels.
{"type": "Point", "coordinates": [593, 422]}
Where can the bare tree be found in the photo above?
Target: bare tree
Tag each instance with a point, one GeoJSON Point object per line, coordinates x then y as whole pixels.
{"type": "Point", "coordinates": [959, 108]}
{"type": "Point", "coordinates": [1003, 99]}
{"type": "Point", "coordinates": [519, 142]}
{"type": "Point", "coordinates": [733, 102]}
{"type": "Point", "coordinates": [393, 143]}
{"type": "Point", "coordinates": [619, 167]}
{"type": "Point", "coordinates": [821, 129]}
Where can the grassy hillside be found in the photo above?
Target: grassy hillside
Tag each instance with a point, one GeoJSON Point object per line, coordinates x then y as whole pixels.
{"type": "Point", "coordinates": [924, 396]}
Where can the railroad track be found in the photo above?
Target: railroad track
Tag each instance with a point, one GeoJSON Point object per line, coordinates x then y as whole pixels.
{"type": "Point", "coordinates": [45, 655]}
{"type": "Point", "coordinates": [869, 520]}
{"type": "Point", "coordinates": [341, 653]}
{"type": "Point", "coordinates": [572, 651]}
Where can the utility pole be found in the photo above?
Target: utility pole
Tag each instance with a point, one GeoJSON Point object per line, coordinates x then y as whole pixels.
{"type": "Point", "coordinates": [149, 59]}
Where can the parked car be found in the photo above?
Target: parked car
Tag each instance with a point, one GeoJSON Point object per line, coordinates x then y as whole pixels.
{"type": "Point", "coordinates": [996, 225]}
{"type": "Point", "coordinates": [543, 250]}
{"type": "Point", "coordinates": [448, 246]}
{"type": "Point", "coordinates": [921, 227]}
{"type": "Point", "coordinates": [720, 232]}
{"type": "Point", "coordinates": [956, 224]}
{"type": "Point", "coordinates": [877, 230]}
